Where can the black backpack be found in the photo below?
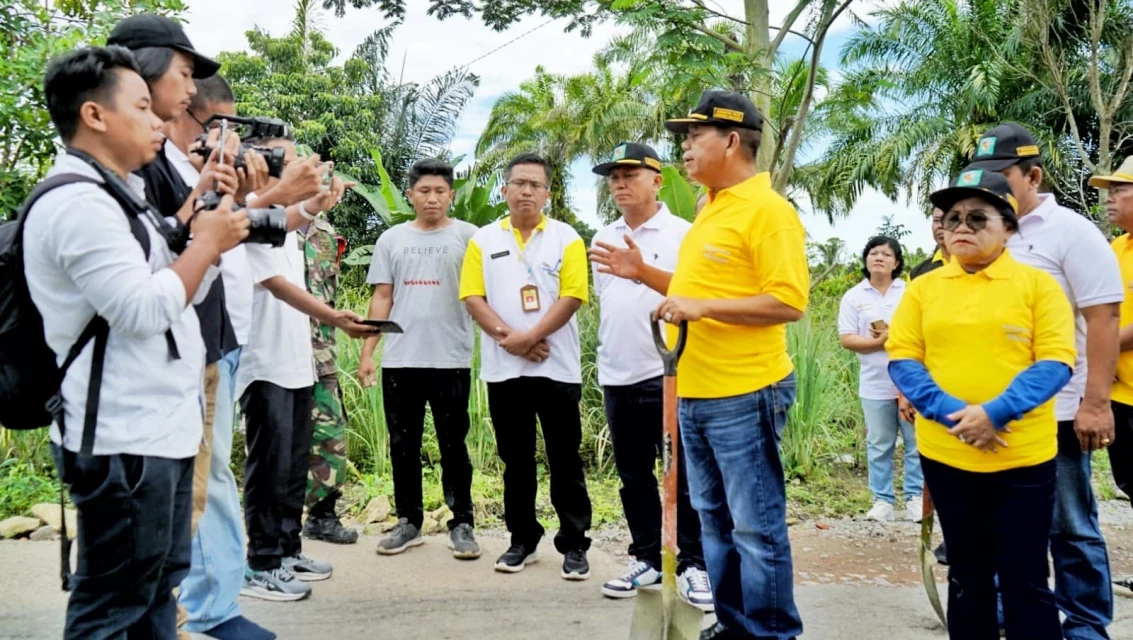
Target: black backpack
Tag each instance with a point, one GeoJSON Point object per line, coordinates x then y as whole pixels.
{"type": "Point", "coordinates": [29, 375]}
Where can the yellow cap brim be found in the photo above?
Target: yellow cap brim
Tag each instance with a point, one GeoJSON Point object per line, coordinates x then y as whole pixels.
{"type": "Point", "coordinates": [1103, 182]}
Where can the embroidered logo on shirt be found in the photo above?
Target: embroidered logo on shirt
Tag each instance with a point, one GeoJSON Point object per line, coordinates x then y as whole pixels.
{"type": "Point", "coordinates": [716, 254]}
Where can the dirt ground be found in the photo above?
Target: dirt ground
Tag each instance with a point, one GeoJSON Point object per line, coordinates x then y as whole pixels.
{"type": "Point", "coordinates": [855, 581]}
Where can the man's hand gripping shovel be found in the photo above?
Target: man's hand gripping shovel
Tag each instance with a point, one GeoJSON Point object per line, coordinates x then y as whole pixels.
{"type": "Point", "coordinates": [662, 614]}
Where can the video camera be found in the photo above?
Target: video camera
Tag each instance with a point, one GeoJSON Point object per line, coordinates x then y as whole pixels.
{"type": "Point", "coordinates": [265, 226]}
{"type": "Point", "coordinates": [256, 128]}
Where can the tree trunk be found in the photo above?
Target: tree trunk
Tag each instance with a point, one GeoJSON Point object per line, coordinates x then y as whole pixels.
{"type": "Point", "coordinates": [758, 42]}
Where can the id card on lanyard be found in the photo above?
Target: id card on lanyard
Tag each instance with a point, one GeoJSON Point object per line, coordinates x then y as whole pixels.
{"type": "Point", "coordinates": [529, 256]}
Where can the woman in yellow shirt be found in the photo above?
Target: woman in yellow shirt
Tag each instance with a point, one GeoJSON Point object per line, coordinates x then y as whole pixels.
{"type": "Point", "coordinates": [980, 346]}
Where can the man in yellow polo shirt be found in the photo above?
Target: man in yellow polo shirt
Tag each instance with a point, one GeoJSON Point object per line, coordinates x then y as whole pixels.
{"type": "Point", "coordinates": [1119, 210]}
{"type": "Point", "coordinates": [522, 281]}
{"type": "Point", "coordinates": [741, 276]}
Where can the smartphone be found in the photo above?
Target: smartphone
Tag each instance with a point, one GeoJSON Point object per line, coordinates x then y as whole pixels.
{"type": "Point", "coordinates": [878, 325]}
{"type": "Point", "coordinates": [385, 326]}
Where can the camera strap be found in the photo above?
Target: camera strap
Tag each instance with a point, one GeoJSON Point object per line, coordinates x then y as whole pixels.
{"type": "Point", "coordinates": [134, 208]}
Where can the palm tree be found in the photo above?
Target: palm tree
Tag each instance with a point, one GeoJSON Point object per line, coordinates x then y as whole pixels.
{"type": "Point", "coordinates": [922, 85]}
{"type": "Point", "coordinates": [564, 118]}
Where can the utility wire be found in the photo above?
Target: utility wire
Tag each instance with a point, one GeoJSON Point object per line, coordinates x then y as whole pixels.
{"type": "Point", "coordinates": [509, 42]}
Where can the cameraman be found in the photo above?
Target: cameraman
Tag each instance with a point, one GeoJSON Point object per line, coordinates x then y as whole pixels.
{"type": "Point", "coordinates": [275, 383]}
{"type": "Point", "coordinates": [209, 593]}
{"type": "Point", "coordinates": [132, 491]}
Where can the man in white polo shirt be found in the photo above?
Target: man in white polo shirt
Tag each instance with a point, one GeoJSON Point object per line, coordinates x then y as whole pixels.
{"type": "Point", "coordinates": [1069, 247]}
{"type": "Point", "coordinates": [522, 280]}
{"type": "Point", "coordinates": [634, 258]}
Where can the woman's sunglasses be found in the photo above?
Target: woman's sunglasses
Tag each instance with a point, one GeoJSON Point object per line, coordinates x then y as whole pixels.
{"type": "Point", "coordinates": [975, 220]}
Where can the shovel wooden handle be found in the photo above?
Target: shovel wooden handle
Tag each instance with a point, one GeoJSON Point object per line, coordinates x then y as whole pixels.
{"type": "Point", "coordinates": [669, 456]}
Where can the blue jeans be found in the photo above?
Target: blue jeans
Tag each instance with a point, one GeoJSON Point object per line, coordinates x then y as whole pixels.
{"type": "Point", "coordinates": [881, 423]}
{"type": "Point", "coordinates": [1082, 585]}
{"type": "Point", "coordinates": [736, 484]}
{"type": "Point", "coordinates": [209, 593]}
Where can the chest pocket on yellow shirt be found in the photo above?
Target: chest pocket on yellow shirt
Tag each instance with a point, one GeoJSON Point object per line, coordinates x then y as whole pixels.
{"type": "Point", "coordinates": [1014, 338]}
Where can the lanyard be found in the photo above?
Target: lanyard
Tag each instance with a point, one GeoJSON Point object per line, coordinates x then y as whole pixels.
{"type": "Point", "coordinates": [529, 253]}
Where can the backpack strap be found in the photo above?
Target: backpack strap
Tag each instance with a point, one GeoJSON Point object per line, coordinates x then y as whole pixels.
{"type": "Point", "coordinates": [99, 331]}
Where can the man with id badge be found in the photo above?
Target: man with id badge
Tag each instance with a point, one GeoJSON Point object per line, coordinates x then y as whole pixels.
{"type": "Point", "coordinates": [522, 280]}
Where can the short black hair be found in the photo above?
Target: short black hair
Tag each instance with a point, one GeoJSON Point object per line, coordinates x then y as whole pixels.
{"type": "Point", "coordinates": [211, 90]}
{"type": "Point", "coordinates": [749, 138]}
{"type": "Point", "coordinates": [893, 245]}
{"type": "Point", "coordinates": [153, 62]}
{"type": "Point", "coordinates": [430, 167]}
{"type": "Point", "coordinates": [1026, 164]}
{"type": "Point", "coordinates": [81, 76]}
{"type": "Point", "coordinates": [528, 158]}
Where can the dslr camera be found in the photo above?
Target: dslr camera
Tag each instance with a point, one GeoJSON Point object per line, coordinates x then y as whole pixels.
{"type": "Point", "coordinates": [265, 226]}
{"type": "Point", "coordinates": [255, 128]}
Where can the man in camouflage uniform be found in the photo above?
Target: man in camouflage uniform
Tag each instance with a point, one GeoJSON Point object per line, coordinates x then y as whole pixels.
{"type": "Point", "coordinates": [328, 443]}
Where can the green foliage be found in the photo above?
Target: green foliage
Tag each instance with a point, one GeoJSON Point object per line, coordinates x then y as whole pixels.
{"type": "Point", "coordinates": [347, 112]}
{"type": "Point", "coordinates": [472, 202]}
{"type": "Point", "coordinates": [22, 485]}
{"type": "Point", "coordinates": [34, 32]}
{"type": "Point", "coordinates": [924, 81]}
{"type": "Point", "coordinates": [678, 194]}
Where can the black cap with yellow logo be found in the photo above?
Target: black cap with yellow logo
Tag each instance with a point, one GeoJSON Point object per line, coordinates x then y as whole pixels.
{"type": "Point", "coordinates": [630, 154]}
{"type": "Point", "coordinates": [975, 182]}
{"type": "Point", "coordinates": [1003, 147]}
{"type": "Point", "coordinates": [720, 109]}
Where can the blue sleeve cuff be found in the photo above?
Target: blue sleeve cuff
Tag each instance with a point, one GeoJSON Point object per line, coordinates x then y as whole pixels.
{"type": "Point", "coordinates": [1034, 386]}
{"type": "Point", "coordinates": [926, 396]}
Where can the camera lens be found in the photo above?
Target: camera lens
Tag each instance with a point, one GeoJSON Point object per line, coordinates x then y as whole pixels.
{"type": "Point", "coordinates": [267, 226]}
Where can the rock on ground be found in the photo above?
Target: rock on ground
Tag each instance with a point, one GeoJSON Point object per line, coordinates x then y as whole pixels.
{"type": "Point", "coordinates": [49, 515]}
{"type": "Point", "coordinates": [17, 526]}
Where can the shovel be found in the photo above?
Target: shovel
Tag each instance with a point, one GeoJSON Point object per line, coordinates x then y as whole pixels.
{"type": "Point", "coordinates": [662, 614]}
{"type": "Point", "coordinates": [928, 560]}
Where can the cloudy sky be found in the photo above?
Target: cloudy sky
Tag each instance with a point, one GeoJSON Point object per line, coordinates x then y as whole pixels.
{"type": "Point", "coordinates": [427, 47]}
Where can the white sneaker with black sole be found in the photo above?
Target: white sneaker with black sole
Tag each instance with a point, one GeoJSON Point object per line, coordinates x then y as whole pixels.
{"type": "Point", "coordinates": [308, 569]}
{"type": "Point", "coordinates": [277, 585]}
{"type": "Point", "coordinates": [639, 574]}
{"type": "Point", "coordinates": [694, 587]}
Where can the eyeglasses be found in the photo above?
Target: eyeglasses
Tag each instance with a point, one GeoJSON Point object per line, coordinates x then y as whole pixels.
{"type": "Point", "coordinates": [975, 220]}
{"type": "Point", "coordinates": [525, 184]}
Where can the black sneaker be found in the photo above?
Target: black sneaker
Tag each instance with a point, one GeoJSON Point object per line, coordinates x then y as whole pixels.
{"type": "Point", "coordinates": [719, 632]}
{"type": "Point", "coordinates": [516, 558]}
{"type": "Point", "coordinates": [400, 538]}
{"type": "Point", "coordinates": [575, 566]}
{"type": "Point", "coordinates": [941, 555]}
{"type": "Point", "coordinates": [463, 543]}
{"type": "Point", "coordinates": [328, 529]}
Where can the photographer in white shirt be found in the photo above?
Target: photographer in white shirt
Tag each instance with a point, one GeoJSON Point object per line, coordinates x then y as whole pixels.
{"type": "Point", "coordinates": [81, 259]}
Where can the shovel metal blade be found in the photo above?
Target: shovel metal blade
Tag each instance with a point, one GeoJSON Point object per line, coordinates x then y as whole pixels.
{"type": "Point", "coordinates": [654, 619]}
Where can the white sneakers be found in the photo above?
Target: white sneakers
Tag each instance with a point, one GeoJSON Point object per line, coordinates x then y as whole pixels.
{"type": "Point", "coordinates": [883, 511]}
{"type": "Point", "coordinates": [914, 508]}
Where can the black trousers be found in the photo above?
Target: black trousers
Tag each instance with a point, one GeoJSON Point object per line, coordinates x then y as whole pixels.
{"type": "Point", "coordinates": [514, 406]}
{"type": "Point", "coordinates": [997, 523]}
{"type": "Point", "coordinates": [635, 414]}
{"type": "Point", "coordinates": [405, 392]}
{"type": "Point", "coordinates": [1121, 450]}
{"type": "Point", "coordinates": [279, 428]}
{"type": "Point", "coordinates": [133, 544]}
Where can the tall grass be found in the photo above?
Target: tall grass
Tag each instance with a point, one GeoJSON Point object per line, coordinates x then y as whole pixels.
{"type": "Point", "coordinates": [368, 438]}
{"type": "Point", "coordinates": [821, 424]}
